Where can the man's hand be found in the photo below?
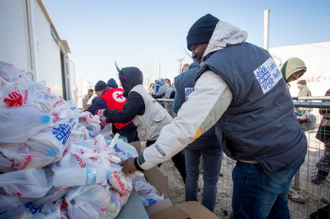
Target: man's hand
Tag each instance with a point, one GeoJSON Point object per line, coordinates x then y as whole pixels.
{"type": "Point", "coordinates": [128, 166]}
{"type": "Point", "coordinates": [100, 112]}
{"type": "Point", "coordinates": [104, 122]}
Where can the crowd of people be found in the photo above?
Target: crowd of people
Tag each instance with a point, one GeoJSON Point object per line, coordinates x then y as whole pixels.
{"type": "Point", "coordinates": [240, 104]}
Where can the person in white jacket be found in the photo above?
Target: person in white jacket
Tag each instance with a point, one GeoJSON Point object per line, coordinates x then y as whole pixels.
{"type": "Point", "coordinates": [240, 89]}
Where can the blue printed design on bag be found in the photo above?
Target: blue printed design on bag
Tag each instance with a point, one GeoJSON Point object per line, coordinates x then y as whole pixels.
{"type": "Point", "coordinates": [188, 91]}
{"type": "Point", "coordinates": [151, 201]}
{"type": "Point", "coordinates": [56, 164]}
{"type": "Point", "coordinates": [90, 175]}
{"type": "Point", "coordinates": [73, 108]}
{"type": "Point", "coordinates": [125, 153]}
{"type": "Point", "coordinates": [71, 119]}
{"type": "Point", "coordinates": [33, 208]}
{"type": "Point", "coordinates": [267, 75]}
{"type": "Point", "coordinates": [62, 132]}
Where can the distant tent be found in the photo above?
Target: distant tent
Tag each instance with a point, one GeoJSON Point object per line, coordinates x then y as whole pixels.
{"type": "Point", "coordinates": [317, 59]}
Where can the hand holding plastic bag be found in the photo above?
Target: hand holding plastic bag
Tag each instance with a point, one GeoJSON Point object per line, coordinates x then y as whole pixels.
{"type": "Point", "coordinates": [100, 112]}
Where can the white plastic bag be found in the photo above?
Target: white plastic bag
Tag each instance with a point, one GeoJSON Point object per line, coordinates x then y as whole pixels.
{"type": "Point", "coordinates": [53, 141]}
{"type": "Point", "coordinates": [23, 157]}
{"type": "Point", "coordinates": [307, 121]}
{"type": "Point", "coordinates": [117, 201]}
{"type": "Point", "coordinates": [19, 124]}
{"type": "Point", "coordinates": [26, 185]}
{"type": "Point", "coordinates": [74, 170]}
{"type": "Point", "coordinates": [90, 201]}
{"type": "Point", "coordinates": [91, 122]}
{"type": "Point", "coordinates": [121, 182]}
{"type": "Point", "coordinates": [148, 193]}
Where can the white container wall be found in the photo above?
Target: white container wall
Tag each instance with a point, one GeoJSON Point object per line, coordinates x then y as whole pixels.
{"type": "Point", "coordinates": [47, 52]}
{"type": "Point", "coordinates": [14, 38]}
{"type": "Point", "coordinates": [29, 40]}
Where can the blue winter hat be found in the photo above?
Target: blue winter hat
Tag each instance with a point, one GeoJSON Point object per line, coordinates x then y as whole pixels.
{"type": "Point", "coordinates": [160, 80]}
{"type": "Point", "coordinates": [112, 83]}
{"type": "Point", "coordinates": [201, 31]}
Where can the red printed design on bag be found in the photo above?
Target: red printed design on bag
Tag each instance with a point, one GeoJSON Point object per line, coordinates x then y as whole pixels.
{"type": "Point", "coordinates": [3, 154]}
{"type": "Point", "coordinates": [96, 151]}
{"type": "Point", "coordinates": [56, 116]}
{"type": "Point", "coordinates": [16, 194]}
{"type": "Point", "coordinates": [14, 165]}
{"type": "Point", "coordinates": [26, 162]}
{"type": "Point", "coordinates": [2, 192]}
{"type": "Point", "coordinates": [26, 94]}
{"type": "Point", "coordinates": [15, 99]}
{"type": "Point", "coordinates": [95, 142]}
{"type": "Point", "coordinates": [64, 205]}
{"type": "Point", "coordinates": [121, 184]}
{"type": "Point", "coordinates": [61, 190]}
{"type": "Point", "coordinates": [58, 103]}
{"type": "Point", "coordinates": [82, 165]}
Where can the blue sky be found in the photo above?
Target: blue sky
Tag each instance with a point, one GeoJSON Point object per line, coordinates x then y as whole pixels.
{"type": "Point", "coordinates": [149, 34]}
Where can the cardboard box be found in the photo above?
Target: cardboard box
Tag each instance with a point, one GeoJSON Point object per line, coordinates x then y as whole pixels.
{"type": "Point", "coordinates": [165, 209]}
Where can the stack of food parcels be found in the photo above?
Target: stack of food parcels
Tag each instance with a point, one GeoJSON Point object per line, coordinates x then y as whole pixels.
{"type": "Point", "coordinates": [53, 161]}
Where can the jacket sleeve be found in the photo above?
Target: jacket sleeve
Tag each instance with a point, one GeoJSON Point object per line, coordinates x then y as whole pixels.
{"type": "Point", "coordinates": [206, 104]}
{"type": "Point", "coordinates": [132, 107]}
{"type": "Point", "coordinates": [176, 102]}
{"type": "Point", "coordinates": [98, 104]}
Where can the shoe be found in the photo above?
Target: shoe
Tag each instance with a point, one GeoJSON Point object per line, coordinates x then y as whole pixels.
{"type": "Point", "coordinates": [318, 179]}
{"type": "Point", "coordinates": [220, 174]}
{"type": "Point", "coordinates": [324, 165]}
{"type": "Point", "coordinates": [296, 197]}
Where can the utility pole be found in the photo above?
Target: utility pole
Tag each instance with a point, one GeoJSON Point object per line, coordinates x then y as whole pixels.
{"type": "Point", "coordinates": [180, 65]}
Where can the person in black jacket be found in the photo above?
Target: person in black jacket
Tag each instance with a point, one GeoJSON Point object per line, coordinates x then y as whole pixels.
{"type": "Point", "coordinates": [106, 100]}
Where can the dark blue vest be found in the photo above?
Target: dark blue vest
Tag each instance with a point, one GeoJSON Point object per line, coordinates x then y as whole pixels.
{"type": "Point", "coordinates": [259, 124]}
{"type": "Point", "coordinates": [184, 85]}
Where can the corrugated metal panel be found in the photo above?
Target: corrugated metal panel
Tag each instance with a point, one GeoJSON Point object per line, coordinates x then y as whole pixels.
{"type": "Point", "coordinates": [14, 43]}
{"type": "Point", "coordinates": [48, 61]}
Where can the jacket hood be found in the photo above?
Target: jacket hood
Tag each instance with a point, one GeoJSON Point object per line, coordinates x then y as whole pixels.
{"type": "Point", "coordinates": [224, 34]}
{"type": "Point", "coordinates": [292, 66]}
{"type": "Point", "coordinates": [112, 83]}
{"type": "Point", "coordinates": [130, 77]}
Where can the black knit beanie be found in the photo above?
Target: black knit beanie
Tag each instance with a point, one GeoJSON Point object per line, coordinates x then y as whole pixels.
{"type": "Point", "coordinates": [202, 30]}
{"type": "Point", "coordinates": [100, 85]}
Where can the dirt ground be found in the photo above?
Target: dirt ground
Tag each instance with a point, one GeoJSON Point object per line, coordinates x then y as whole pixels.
{"type": "Point", "coordinates": [302, 186]}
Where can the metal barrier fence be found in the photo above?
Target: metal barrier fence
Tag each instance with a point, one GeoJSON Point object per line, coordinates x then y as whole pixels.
{"type": "Point", "coordinates": [305, 197]}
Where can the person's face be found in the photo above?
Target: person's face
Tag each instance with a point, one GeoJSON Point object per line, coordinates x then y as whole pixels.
{"type": "Point", "coordinates": [91, 93]}
{"type": "Point", "coordinates": [294, 76]}
{"type": "Point", "coordinates": [198, 51]}
{"type": "Point", "coordinates": [99, 93]}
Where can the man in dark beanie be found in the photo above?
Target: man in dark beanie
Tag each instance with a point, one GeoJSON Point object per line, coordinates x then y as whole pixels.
{"type": "Point", "coordinates": [113, 98]}
{"type": "Point", "coordinates": [99, 87]}
{"type": "Point", "coordinates": [240, 89]}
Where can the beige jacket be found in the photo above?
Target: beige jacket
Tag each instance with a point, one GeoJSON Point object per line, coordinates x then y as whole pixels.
{"type": "Point", "coordinates": [155, 117]}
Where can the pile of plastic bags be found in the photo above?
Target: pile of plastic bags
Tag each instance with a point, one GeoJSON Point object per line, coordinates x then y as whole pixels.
{"type": "Point", "coordinates": [53, 161]}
